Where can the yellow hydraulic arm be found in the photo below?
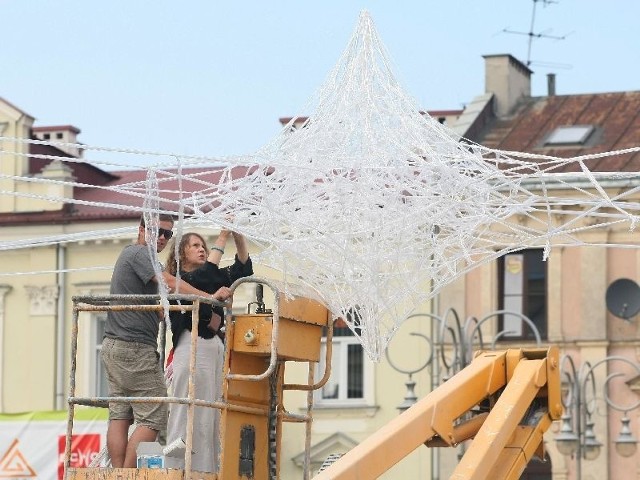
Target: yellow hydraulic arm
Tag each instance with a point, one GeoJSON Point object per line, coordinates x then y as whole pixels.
{"type": "Point", "coordinates": [522, 391]}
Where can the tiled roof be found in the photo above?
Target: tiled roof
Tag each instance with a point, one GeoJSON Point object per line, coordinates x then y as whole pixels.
{"type": "Point", "coordinates": [97, 198]}
{"type": "Point", "coordinates": [615, 116]}
{"type": "Point", "coordinates": [82, 171]}
{"type": "Point", "coordinates": [134, 181]}
{"type": "Point", "coordinates": [192, 180]}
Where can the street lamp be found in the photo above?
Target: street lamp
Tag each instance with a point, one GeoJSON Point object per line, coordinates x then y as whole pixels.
{"type": "Point", "coordinates": [452, 346]}
{"type": "Point", "coordinates": [566, 440]}
{"type": "Point", "coordinates": [576, 435]}
{"type": "Point", "coordinates": [626, 444]}
{"type": "Point", "coordinates": [451, 349]}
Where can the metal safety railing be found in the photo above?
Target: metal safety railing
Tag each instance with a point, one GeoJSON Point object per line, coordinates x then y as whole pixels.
{"type": "Point", "coordinates": [156, 303]}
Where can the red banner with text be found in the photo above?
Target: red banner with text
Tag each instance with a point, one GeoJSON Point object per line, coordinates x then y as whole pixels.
{"type": "Point", "coordinates": [32, 445]}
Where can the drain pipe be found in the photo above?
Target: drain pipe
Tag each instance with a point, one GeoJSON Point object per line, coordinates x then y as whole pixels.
{"type": "Point", "coordinates": [60, 326]}
{"type": "Point", "coordinates": [4, 289]}
{"type": "Point", "coordinates": [435, 380]}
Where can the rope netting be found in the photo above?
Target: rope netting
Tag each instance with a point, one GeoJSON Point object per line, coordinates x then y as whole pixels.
{"type": "Point", "coordinates": [371, 206]}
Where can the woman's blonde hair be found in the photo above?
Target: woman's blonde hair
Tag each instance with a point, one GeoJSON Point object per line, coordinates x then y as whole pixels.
{"type": "Point", "coordinates": [172, 263]}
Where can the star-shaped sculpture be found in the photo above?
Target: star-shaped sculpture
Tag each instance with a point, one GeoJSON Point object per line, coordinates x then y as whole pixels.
{"type": "Point", "coordinates": [372, 207]}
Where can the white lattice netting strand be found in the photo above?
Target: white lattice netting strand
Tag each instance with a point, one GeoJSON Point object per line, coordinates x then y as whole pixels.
{"type": "Point", "coordinates": [372, 206]}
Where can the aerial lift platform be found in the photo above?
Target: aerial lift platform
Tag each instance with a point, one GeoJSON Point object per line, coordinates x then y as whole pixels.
{"type": "Point", "coordinates": [502, 403]}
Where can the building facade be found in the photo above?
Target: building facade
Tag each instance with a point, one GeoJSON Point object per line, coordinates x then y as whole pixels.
{"type": "Point", "coordinates": [564, 295]}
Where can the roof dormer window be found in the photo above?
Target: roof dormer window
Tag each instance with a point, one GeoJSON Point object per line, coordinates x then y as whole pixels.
{"type": "Point", "coordinates": [570, 135]}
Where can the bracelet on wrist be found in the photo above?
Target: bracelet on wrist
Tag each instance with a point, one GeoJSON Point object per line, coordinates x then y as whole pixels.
{"type": "Point", "coordinates": [219, 249]}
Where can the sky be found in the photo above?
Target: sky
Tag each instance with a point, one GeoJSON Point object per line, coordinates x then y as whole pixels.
{"type": "Point", "coordinates": [212, 78]}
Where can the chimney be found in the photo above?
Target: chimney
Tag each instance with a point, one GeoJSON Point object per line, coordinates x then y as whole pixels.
{"type": "Point", "coordinates": [60, 134]}
{"type": "Point", "coordinates": [508, 79]}
{"type": "Point", "coordinates": [551, 84]}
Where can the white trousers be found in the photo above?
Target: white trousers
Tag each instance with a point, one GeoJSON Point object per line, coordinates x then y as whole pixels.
{"type": "Point", "coordinates": [208, 386]}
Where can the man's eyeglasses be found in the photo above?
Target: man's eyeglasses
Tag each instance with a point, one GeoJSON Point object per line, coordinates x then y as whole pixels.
{"type": "Point", "coordinates": [167, 233]}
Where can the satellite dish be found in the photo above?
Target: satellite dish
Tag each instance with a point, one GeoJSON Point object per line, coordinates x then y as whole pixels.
{"type": "Point", "coordinates": [623, 298]}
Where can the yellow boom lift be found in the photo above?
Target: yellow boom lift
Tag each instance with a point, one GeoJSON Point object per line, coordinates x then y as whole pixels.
{"type": "Point", "coordinates": [503, 402]}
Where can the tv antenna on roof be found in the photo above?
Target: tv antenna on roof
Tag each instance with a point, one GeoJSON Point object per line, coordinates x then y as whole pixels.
{"type": "Point", "coordinates": [531, 33]}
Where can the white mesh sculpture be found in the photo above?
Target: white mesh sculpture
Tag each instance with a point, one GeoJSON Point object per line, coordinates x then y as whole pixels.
{"type": "Point", "coordinates": [372, 207]}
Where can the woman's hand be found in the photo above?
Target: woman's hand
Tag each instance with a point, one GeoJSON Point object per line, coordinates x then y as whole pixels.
{"type": "Point", "coordinates": [222, 294]}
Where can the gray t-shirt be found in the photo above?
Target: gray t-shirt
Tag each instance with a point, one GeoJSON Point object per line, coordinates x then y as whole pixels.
{"type": "Point", "coordinates": [132, 275]}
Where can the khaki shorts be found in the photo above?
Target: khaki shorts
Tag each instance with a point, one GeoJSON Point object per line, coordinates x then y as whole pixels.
{"type": "Point", "coordinates": [133, 370]}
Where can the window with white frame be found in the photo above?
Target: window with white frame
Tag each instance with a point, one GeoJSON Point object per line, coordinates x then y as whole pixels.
{"type": "Point", "coordinates": [523, 290]}
{"type": "Point", "coordinates": [351, 380]}
{"type": "Point", "coordinates": [90, 333]}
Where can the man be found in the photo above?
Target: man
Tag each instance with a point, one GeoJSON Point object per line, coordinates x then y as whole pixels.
{"type": "Point", "coordinates": [129, 347]}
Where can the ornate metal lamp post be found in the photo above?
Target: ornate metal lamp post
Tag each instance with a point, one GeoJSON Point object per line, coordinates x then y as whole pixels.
{"type": "Point", "coordinates": [576, 436]}
{"type": "Point", "coordinates": [451, 348]}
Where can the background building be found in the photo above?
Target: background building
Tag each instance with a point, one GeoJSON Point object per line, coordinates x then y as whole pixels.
{"type": "Point", "coordinates": [563, 296]}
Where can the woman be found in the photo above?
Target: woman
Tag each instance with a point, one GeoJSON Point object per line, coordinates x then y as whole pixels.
{"type": "Point", "coordinates": [199, 267]}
